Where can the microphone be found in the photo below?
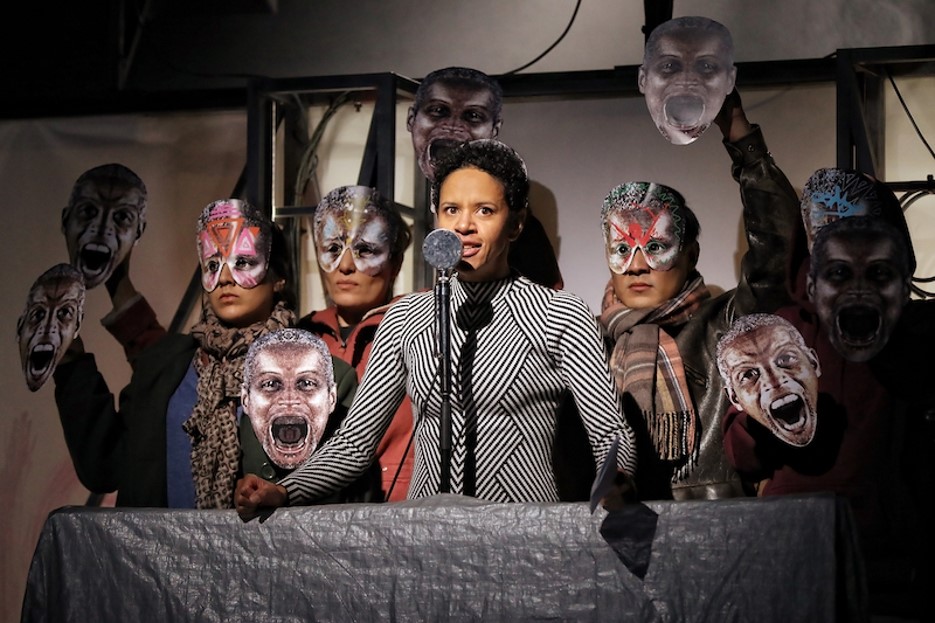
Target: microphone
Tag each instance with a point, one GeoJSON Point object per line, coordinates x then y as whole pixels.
{"type": "Point", "coordinates": [442, 249]}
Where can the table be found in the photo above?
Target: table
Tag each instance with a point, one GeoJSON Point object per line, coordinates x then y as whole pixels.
{"type": "Point", "coordinates": [448, 558]}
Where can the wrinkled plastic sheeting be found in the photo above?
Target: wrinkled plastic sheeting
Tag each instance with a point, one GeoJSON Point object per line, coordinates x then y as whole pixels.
{"type": "Point", "coordinates": [442, 559]}
{"type": "Point", "coordinates": [445, 558]}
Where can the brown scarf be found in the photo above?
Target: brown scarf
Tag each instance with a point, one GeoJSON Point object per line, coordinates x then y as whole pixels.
{"type": "Point", "coordinates": [213, 423]}
{"type": "Point", "coordinates": [647, 365]}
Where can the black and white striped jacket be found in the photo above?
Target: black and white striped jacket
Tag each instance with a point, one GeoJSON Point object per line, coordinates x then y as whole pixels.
{"type": "Point", "coordinates": [516, 347]}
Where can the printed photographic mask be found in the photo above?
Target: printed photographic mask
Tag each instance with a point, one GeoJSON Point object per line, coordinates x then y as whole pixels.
{"type": "Point", "coordinates": [50, 322]}
{"type": "Point", "coordinates": [452, 112]}
{"type": "Point", "coordinates": [234, 233]}
{"type": "Point", "coordinates": [289, 394]}
{"type": "Point", "coordinates": [104, 219]}
{"type": "Point", "coordinates": [771, 375]}
{"type": "Point", "coordinates": [355, 219]}
{"type": "Point", "coordinates": [644, 216]}
{"type": "Point", "coordinates": [687, 73]}
{"type": "Point", "coordinates": [859, 284]}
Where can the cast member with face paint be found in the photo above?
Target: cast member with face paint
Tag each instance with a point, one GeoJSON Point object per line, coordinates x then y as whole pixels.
{"type": "Point", "coordinates": [662, 324]}
{"type": "Point", "coordinates": [360, 239]}
{"type": "Point", "coordinates": [173, 439]}
{"type": "Point", "coordinates": [457, 104]}
{"type": "Point", "coordinates": [875, 349]}
{"type": "Point", "coordinates": [517, 348]}
{"type": "Point", "coordinates": [687, 72]}
{"type": "Point", "coordinates": [51, 320]}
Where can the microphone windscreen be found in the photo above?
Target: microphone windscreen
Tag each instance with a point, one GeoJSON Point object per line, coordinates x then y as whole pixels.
{"type": "Point", "coordinates": [442, 249]}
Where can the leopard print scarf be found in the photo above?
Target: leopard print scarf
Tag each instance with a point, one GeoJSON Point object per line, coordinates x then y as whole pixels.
{"type": "Point", "coordinates": [213, 424]}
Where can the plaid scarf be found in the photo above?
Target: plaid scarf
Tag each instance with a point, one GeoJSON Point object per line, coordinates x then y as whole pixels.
{"type": "Point", "coordinates": [213, 423]}
{"type": "Point", "coordinates": [646, 364]}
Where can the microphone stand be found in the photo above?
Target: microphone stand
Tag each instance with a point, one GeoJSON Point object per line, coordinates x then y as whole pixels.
{"type": "Point", "coordinates": [443, 316]}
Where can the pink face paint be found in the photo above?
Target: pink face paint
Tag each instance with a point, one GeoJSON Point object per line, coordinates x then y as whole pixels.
{"type": "Point", "coordinates": [230, 234]}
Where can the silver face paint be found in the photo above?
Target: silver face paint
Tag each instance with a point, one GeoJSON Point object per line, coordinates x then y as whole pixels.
{"type": "Point", "coordinates": [348, 219]}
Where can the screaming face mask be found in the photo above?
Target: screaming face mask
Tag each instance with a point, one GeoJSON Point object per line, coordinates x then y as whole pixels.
{"type": "Point", "coordinates": [104, 219]}
{"type": "Point", "coordinates": [233, 233]}
{"type": "Point", "coordinates": [771, 374]}
{"type": "Point", "coordinates": [355, 219]}
{"type": "Point", "coordinates": [50, 322]}
{"type": "Point", "coordinates": [686, 75]}
{"type": "Point", "coordinates": [288, 394]}
{"type": "Point", "coordinates": [644, 216]}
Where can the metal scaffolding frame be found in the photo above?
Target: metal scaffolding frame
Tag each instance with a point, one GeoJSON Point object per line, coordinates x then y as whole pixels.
{"type": "Point", "coordinates": [859, 75]}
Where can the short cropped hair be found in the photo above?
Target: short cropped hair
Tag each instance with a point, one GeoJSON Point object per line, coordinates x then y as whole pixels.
{"type": "Point", "coordinates": [498, 160]}
{"type": "Point", "coordinates": [681, 24]}
{"type": "Point", "coordinates": [745, 324]}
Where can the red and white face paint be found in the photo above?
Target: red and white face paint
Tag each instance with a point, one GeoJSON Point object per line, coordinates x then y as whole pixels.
{"type": "Point", "coordinates": [233, 233]}
{"type": "Point", "coordinates": [353, 218]}
{"type": "Point", "coordinates": [642, 216]}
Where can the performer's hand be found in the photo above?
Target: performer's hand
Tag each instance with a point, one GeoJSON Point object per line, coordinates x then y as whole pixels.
{"type": "Point", "coordinates": [731, 119]}
{"type": "Point", "coordinates": [119, 286]}
{"type": "Point", "coordinates": [252, 494]}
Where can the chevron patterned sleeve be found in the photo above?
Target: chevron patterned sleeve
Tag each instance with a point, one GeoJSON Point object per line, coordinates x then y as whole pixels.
{"type": "Point", "coordinates": [351, 450]}
{"type": "Point", "coordinates": [574, 337]}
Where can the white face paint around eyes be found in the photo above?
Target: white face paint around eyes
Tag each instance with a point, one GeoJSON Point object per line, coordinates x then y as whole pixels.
{"type": "Point", "coordinates": [652, 231]}
{"type": "Point", "coordinates": [367, 238]}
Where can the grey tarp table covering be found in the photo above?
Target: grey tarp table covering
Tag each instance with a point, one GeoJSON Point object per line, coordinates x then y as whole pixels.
{"type": "Point", "coordinates": [445, 558]}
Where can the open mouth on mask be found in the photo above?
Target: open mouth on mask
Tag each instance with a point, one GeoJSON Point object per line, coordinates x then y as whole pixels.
{"type": "Point", "coordinates": [684, 112]}
{"type": "Point", "coordinates": [859, 325]}
{"type": "Point", "coordinates": [41, 358]}
{"type": "Point", "coordinates": [289, 433]}
{"type": "Point", "coordinates": [790, 415]}
{"type": "Point", "coordinates": [441, 146]}
{"type": "Point", "coordinates": [788, 411]}
{"type": "Point", "coordinates": [95, 257]}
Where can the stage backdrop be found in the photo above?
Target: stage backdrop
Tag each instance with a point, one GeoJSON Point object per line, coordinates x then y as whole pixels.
{"type": "Point", "coordinates": [576, 151]}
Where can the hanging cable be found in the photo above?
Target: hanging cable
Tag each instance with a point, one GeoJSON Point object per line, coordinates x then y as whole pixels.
{"type": "Point", "coordinates": [308, 165]}
{"type": "Point", "coordinates": [551, 47]}
{"type": "Point", "coordinates": [912, 120]}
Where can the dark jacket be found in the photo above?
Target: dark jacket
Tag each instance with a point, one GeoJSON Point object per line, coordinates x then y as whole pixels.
{"type": "Point", "coordinates": [770, 217]}
{"type": "Point", "coordinates": [124, 448]}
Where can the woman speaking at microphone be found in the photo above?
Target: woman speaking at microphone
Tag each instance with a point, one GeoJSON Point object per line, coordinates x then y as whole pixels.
{"type": "Point", "coordinates": [516, 348]}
